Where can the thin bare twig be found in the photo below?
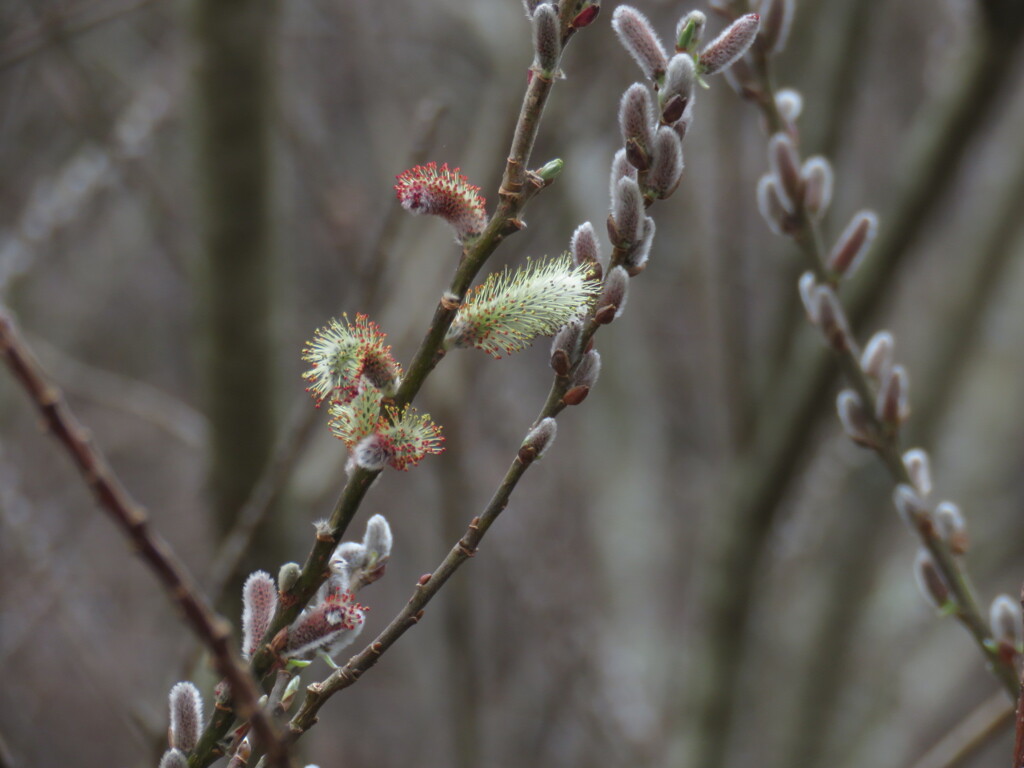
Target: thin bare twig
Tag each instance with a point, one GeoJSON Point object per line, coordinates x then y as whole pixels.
{"type": "Point", "coordinates": [134, 522]}
{"type": "Point", "coordinates": [518, 187]}
{"type": "Point", "coordinates": [964, 739]}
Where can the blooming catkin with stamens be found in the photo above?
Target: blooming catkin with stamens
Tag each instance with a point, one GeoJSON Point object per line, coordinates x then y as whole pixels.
{"type": "Point", "coordinates": [327, 626]}
{"type": "Point", "coordinates": [259, 601]}
{"type": "Point", "coordinates": [186, 716]}
{"type": "Point", "coordinates": [510, 309]}
{"type": "Point", "coordinates": [729, 46]}
{"type": "Point", "coordinates": [343, 354]}
{"type": "Point", "coordinates": [399, 439]}
{"type": "Point", "coordinates": [443, 192]}
{"type": "Point", "coordinates": [638, 37]}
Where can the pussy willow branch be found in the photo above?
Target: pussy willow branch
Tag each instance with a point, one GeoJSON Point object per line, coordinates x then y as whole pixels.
{"type": "Point", "coordinates": [134, 522]}
{"type": "Point", "coordinates": [517, 188]}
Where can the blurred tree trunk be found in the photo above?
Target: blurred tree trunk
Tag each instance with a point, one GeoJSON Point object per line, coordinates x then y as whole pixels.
{"type": "Point", "coordinates": [234, 100]}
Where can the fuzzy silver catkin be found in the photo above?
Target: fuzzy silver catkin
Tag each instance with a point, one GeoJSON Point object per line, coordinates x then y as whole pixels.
{"type": "Point", "coordinates": [790, 104]}
{"type": "Point", "coordinates": [287, 575]}
{"type": "Point", "coordinates": [186, 716]}
{"type": "Point", "coordinates": [951, 527]}
{"type": "Point", "coordinates": [563, 346]}
{"type": "Point", "coordinates": [677, 93]}
{"type": "Point", "coordinates": [636, 123]}
{"type": "Point", "coordinates": [879, 355]}
{"type": "Point", "coordinates": [929, 580]}
{"type": "Point", "coordinates": [784, 161]}
{"type": "Point", "coordinates": [667, 165]}
{"type": "Point", "coordinates": [892, 405]}
{"type": "Point", "coordinates": [173, 758]}
{"type": "Point", "coordinates": [636, 258]}
{"type": "Point", "coordinates": [259, 601]}
{"type": "Point", "coordinates": [378, 539]}
{"type": "Point", "coordinates": [541, 437]}
{"type": "Point", "coordinates": [848, 252]}
{"type": "Point", "coordinates": [587, 372]}
{"type": "Point", "coordinates": [919, 468]}
{"type": "Point", "coordinates": [628, 212]}
{"type": "Point", "coordinates": [730, 45]}
{"type": "Point", "coordinates": [853, 417]}
{"type": "Point", "coordinates": [547, 38]}
{"type": "Point", "coordinates": [584, 246]}
{"type": "Point", "coordinates": [911, 507]}
{"type": "Point", "coordinates": [621, 168]}
{"type": "Point", "coordinates": [770, 204]}
{"type": "Point", "coordinates": [615, 291]}
{"type": "Point", "coordinates": [832, 319]}
{"type": "Point", "coordinates": [807, 286]}
{"type": "Point", "coordinates": [776, 21]}
{"type": "Point", "coordinates": [818, 182]}
{"type": "Point", "coordinates": [637, 36]}
{"type": "Point", "coordinates": [1006, 621]}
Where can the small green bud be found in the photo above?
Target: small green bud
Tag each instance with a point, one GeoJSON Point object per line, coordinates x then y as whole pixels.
{"type": "Point", "coordinates": [550, 170]}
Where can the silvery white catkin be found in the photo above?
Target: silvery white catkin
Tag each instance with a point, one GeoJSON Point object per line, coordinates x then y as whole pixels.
{"type": "Point", "coordinates": [186, 716]}
{"type": "Point", "coordinates": [853, 417]}
{"type": "Point", "coordinates": [919, 469]}
{"type": "Point", "coordinates": [951, 527]}
{"type": "Point", "coordinates": [584, 245]}
{"type": "Point", "coordinates": [929, 580]}
{"type": "Point", "coordinates": [547, 38]}
{"type": "Point", "coordinates": [730, 45]}
{"type": "Point", "coordinates": [878, 357]}
{"type": "Point", "coordinates": [1006, 622]}
{"type": "Point", "coordinates": [790, 104]}
{"type": "Point", "coordinates": [848, 251]}
{"type": "Point", "coordinates": [818, 182]}
{"type": "Point", "coordinates": [892, 405]}
{"type": "Point", "coordinates": [636, 118]}
{"type": "Point", "coordinates": [667, 166]}
{"type": "Point", "coordinates": [627, 212]}
{"type": "Point", "coordinates": [615, 290]}
{"type": "Point", "coordinates": [784, 161]}
{"type": "Point", "coordinates": [637, 36]}
{"type": "Point", "coordinates": [808, 286]}
{"type": "Point", "coordinates": [910, 506]}
{"type": "Point", "coordinates": [770, 204]}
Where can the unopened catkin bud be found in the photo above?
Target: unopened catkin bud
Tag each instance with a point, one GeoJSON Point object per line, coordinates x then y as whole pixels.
{"type": "Point", "coordinates": [892, 406]}
{"type": "Point", "coordinates": [186, 716]}
{"type": "Point", "coordinates": [930, 581]}
{"type": "Point", "coordinates": [636, 123]}
{"type": "Point", "coordinates": [730, 45]}
{"type": "Point", "coordinates": [563, 346]}
{"type": "Point", "coordinates": [259, 601]}
{"type": "Point", "coordinates": [776, 20]}
{"type": "Point", "coordinates": [910, 506]}
{"type": "Point", "coordinates": [174, 758]}
{"type": "Point", "coordinates": [547, 39]}
{"type": "Point", "coordinates": [919, 468]}
{"type": "Point", "coordinates": [855, 420]}
{"type": "Point", "coordinates": [635, 259]}
{"type": "Point", "coordinates": [627, 212]}
{"type": "Point", "coordinates": [689, 32]}
{"type": "Point", "coordinates": [790, 104]}
{"type": "Point", "coordinates": [951, 527]}
{"type": "Point", "coordinates": [677, 93]}
{"type": "Point", "coordinates": [637, 36]}
{"type": "Point", "coordinates": [287, 576]}
{"type": "Point", "coordinates": [584, 245]}
{"type": "Point", "coordinates": [771, 204]}
{"type": "Point", "coordinates": [1006, 621]}
{"type": "Point", "coordinates": [550, 170]}
{"type": "Point", "coordinates": [851, 246]}
{"type": "Point", "coordinates": [818, 181]}
{"type": "Point", "coordinates": [621, 169]}
{"type": "Point", "coordinates": [588, 370]}
{"type": "Point", "coordinates": [784, 161]}
{"type": "Point", "coordinates": [808, 285]}
{"type": "Point", "coordinates": [242, 754]}
{"type": "Point", "coordinates": [538, 440]}
{"type": "Point", "coordinates": [667, 167]}
{"type": "Point", "coordinates": [613, 295]}
{"type": "Point", "coordinates": [288, 697]}
{"type": "Point", "coordinates": [378, 539]}
{"type": "Point", "coordinates": [878, 356]}
{"type": "Point", "coordinates": [832, 319]}
{"type": "Point", "coordinates": [586, 16]}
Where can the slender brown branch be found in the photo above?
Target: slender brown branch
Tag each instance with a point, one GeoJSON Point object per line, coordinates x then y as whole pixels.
{"type": "Point", "coordinates": [977, 730]}
{"type": "Point", "coordinates": [1018, 739]}
{"type": "Point", "coordinates": [134, 522]}
{"type": "Point", "coordinates": [518, 187]}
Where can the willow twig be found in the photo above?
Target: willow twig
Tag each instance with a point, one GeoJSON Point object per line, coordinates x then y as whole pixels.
{"type": "Point", "coordinates": [134, 522]}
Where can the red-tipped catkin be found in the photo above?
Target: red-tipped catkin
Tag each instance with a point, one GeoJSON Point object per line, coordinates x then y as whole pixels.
{"type": "Point", "coordinates": [919, 468]}
{"type": "Point", "coordinates": [776, 20]}
{"type": "Point", "coordinates": [784, 161]}
{"type": "Point", "coordinates": [817, 182]}
{"type": "Point", "coordinates": [667, 165]}
{"type": "Point", "coordinates": [259, 601]}
{"type": "Point", "coordinates": [186, 716]}
{"type": "Point", "coordinates": [729, 46]}
{"type": "Point", "coordinates": [637, 36]}
{"type": "Point", "coordinates": [636, 123]}
{"type": "Point", "coordinates": [849, 250]}
{"type": "Point", "coordinates": [930, 581]}
{"type": "Point", "coordinates": [324, 626]}
{"type": "Point", "coordinates": [443, 192]}
{"type": "Point", "coordinates": [878, 356]}
{"type": "Point", "coordinates": [547, 39]}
